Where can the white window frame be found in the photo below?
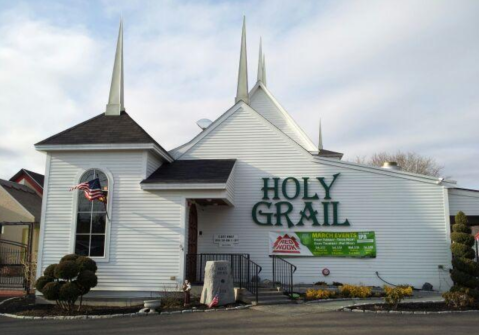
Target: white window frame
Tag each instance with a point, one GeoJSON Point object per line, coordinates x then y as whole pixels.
{"type": "Point", "coordinates": [109, 218]}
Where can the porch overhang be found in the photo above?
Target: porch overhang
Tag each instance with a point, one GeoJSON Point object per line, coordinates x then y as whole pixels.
{"type": "Point", "coordinates": [206, 179]}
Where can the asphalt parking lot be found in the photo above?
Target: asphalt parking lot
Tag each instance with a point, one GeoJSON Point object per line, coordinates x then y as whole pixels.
{"type": "Point", "coordinates": [294, 319]}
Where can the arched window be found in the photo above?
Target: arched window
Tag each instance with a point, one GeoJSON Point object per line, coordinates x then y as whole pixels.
{"type": "Point", "coordinates": [91, 229]}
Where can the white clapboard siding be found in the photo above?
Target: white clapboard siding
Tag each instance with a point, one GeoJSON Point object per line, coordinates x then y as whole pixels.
{"type": "Point", "coordinates": [264, 105]}
{"type": "Point", "coordinates": [230, 186]}
{"type": "Point", "coordinates": [463, 200]}
{"type": "Point", "coordinates": [153, 162]}
{"type": "Point", "coordinates": [146, 229]}
{"type": "Point", "coordinates": [407, 216]}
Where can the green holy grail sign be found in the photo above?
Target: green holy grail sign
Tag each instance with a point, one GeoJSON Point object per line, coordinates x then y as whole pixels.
{"type": "Point", "coordinates": [317, 209]}
{"type": "Point", "coordinates": [323, 244]}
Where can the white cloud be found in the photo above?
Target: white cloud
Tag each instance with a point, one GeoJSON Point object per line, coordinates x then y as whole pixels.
{"type": "Point", "coordinates": [383, 75]}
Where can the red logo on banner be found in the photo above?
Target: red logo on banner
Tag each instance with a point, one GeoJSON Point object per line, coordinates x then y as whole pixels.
{"type": "Point", "coordinates": [286, 245]}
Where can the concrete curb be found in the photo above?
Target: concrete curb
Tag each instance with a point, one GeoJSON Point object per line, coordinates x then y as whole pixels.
{"type": "Point", "coordinates": [112, 316]}
{"type": "Point", "coordinates": [319, 301]}
{"type": "Point", "coordinates": [349, 309]}
{"type": "Point", "coordinates": [9, 299]}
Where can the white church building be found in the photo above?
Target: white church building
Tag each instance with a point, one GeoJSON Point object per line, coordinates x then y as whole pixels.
{"type": "Point", "coordinates": [251, 188]}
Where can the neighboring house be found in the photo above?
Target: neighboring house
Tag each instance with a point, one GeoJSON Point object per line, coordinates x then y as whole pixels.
{"type": "Point", "coordinates": [251, 183]}
{"type": "Point", "coordinates": [31, 179]}
{"type": "Point", "coordinates": [21, 201]}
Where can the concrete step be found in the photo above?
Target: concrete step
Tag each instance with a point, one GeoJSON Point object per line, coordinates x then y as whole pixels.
{"type": "Point", "coordinates": [270, 293]}
{"type": "Point", "coordinates": [279, 302]}
{"type": "Point", "coordinates": [269, 296]}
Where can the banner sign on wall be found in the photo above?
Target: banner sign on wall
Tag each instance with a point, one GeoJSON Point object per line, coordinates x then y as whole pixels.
{"type": "Point", "coordinates": [323, 244]}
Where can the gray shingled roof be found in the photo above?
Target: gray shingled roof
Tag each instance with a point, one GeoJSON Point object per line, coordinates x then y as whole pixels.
{"type": "Point", "coordinates": [103, 129]}
{"type": "Point", "coordinates": [27, 197]}
{"type": "Point", "coordinates": [193, 171]}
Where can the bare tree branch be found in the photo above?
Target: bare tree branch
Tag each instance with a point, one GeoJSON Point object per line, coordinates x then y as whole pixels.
{"type": "Point", "coordinates": [409, 162]}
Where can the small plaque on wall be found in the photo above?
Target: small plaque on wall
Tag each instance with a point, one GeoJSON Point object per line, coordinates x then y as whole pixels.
{"type": "Point", "coordinates": [225, 240]}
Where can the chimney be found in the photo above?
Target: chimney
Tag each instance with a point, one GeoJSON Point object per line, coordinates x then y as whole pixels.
{"type": "Point", "coordinates": [391, 166]}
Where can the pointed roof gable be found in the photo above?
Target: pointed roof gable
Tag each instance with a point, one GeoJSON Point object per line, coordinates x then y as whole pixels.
{"type": "Point", "coordinates": [262, 101]}
{"type": "Point", "coordinates": [36, 177]}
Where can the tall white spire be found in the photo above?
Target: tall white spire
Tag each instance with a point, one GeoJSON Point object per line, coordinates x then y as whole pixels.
{"type": "Point", "coordinates": [264, 71]}
{"type": "Point", "coordinates": [261, 64]}
{"type": "Point", "coordinates": [320, 137]}
{"type": "Point", "coordinates": [116, 103]}
{"type": "Point", "coordinates": [242, 91]}
{"type": "Point", "coordinates": [260, 61]}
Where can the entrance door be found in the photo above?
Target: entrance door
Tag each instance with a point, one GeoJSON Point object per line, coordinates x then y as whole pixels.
{"type": "Point", "coordinates": [191, 258]}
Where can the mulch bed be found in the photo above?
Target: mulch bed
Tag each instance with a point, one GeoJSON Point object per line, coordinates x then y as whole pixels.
{"type": "Point", "coordinates": [412, 307]}
{"type": "Point", "coordinates": [26, 307]}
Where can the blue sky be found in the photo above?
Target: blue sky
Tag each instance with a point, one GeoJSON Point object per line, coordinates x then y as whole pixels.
{"type": "Point", "coordinates": [382, 75]}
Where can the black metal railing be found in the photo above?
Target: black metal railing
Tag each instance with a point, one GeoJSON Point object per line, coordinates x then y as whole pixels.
{"type": "Point", "coordinates": [283, 272]}
{"type": "Point", "coordinates": [13, 261]}
{"type": "Point", "coordinates": [245, 272]}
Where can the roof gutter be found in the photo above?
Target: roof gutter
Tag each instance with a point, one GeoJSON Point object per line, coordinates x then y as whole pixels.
{"type": "Point", "coordinates": [97, 147]}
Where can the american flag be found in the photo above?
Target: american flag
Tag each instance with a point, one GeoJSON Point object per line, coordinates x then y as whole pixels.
{"type": "Point", "coordinates": [91, 189]}
{"type": "Point", "coordinates": [214, 302]}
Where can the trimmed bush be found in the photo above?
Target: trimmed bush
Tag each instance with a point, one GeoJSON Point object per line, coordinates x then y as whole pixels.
{"type": "Point", "coordinates": [462, 251]}
{"type": "Point", "coordinates": [50, 271]}
{"type": "Point", "coordinates": [466, 265]}
{"type": "Point", "coordinates": [69, 257]}
{"type": "Point", "coordinates": [69, 292]}
{"type": "Point", "coordinates": [66, 270]}
{"type": "Point", "coordinates": [464, 274]}
{"type": "Point", "coordinates": [463, 238]}
{"type": "Point", "coordinates": [353, 291]}
{"type": "Point", "coordinates": [457, 299]}
{"type": "Point", "coordinates": [461, 228]}
{"type": "Point", "coordinates": [86, 263]}
{"type": "Point", "coordinates": [42, 281]}
{"type": "Point", "coordinates": [394, 295]}
{"type": "Point", "coordinates": [320, 294]}
{"type": "Point", "coordinates": [51, 291]}
{"type": "Point", "coordinates": [59, 285]}
{"type": "Point", "coordinates": [83, 289]}
{"type": "Point", "coordinates": [87, 278]}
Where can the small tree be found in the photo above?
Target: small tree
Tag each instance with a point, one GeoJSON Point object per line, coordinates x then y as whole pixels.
{"type": "Point", "coordinates": [409, 162]}
{"type": "Point", "coordinates": [465, 271]}
{"type": "Point", "coordinates": [68, 280]}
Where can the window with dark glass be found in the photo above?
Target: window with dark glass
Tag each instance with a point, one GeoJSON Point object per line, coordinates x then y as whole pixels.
{"type": "Point", "coordinates": [91, 219]}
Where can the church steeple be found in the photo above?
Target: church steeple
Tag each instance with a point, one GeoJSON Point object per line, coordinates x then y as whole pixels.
{"type": "Point", "coordinates": [264, 70]}
{"type": "Point", "coordinates": [260, 61]}
{"type": "Point", "coordinates": [116, 103]}
{"type": "Point", "coordinates": [320, 137]}
{"type": "Point", "coordinates": [261, 64]}
{"type": "Point", "coordinates": [242, 90]}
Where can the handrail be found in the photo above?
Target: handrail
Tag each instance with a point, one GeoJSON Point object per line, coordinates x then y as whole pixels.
{"type": "Point", "coordinates": [13, 243]}
{"type": "Point", "coordinates": [245, 272]}
{"type": "Point", "coordinates": [283, 273]}
{"type": "Point", "coordinates": [252, 279]}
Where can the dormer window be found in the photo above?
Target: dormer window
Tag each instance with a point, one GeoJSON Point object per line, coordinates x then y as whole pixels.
{"type": "Point", "coordinates": [91, 227]}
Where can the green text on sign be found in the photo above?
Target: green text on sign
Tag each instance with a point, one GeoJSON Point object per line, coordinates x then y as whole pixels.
{"type": "Point", "coordinates": [324, 244]}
